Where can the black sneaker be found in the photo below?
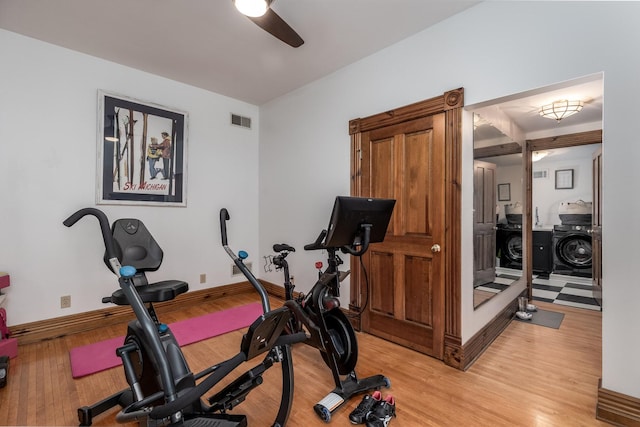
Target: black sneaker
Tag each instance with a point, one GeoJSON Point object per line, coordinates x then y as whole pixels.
{"type": "Point", "coordinates": [359, 415]}
{"type": "Point", "coordinates": [382, 413]}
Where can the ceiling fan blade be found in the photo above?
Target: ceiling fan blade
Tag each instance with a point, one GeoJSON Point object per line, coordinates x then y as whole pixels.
{"type": "Point", "coordinates": [274, 25]}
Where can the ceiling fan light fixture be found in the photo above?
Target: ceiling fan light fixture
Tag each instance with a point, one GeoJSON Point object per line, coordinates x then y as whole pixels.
{"type": "Point", "coordinates": [558, 110]}
{"type": "Point", "coordinates": [252, 8]}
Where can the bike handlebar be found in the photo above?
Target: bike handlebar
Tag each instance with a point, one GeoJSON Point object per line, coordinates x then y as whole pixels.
{"type": "Point", "coordinates": [365, 243]}
{"type": "Point", "coordinates": [224, 216]}
{"type": "Point", "coordinates": [107, 237]}
{"type": "Point", "coordinates": [318, 243]}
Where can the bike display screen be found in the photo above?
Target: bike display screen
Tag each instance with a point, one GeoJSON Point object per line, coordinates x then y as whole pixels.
{"type": "Point", "coordinates": [350, 213]}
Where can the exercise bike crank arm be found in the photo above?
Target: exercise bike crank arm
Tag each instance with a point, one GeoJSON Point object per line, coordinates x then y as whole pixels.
{"type": "Point", "coordinates": [315, 336]}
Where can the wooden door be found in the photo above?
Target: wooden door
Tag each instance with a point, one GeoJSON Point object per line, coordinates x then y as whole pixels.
{"type": "Point", "coordinates": [406, 286]}
{"type": "Point", "coordinates": [484, 222]}
{"type": "Point", "coordinates": [596, 226]}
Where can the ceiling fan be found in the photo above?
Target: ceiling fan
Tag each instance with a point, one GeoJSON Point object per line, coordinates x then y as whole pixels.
{"type": "Point", "coordinates": [260, 12]}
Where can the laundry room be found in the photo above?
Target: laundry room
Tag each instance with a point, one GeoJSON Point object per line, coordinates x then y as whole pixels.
{"type": "Point", "coordinates": [539, 179]}
{"type": "Point", "coordinates": [562, 206]}
{"type": "Point", "coordinates": [560, 176]}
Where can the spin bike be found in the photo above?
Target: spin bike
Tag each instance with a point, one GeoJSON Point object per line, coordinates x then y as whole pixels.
{"type": "Point", "coordinates": [162, 389]}
{"type": "Point", "coordinates": [355, 223]}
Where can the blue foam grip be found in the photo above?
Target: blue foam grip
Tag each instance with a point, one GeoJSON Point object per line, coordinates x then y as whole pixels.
{"type": "Point", "coordinates": [243, 255]}
{"type": "Point", "coordinates": [127, 271]}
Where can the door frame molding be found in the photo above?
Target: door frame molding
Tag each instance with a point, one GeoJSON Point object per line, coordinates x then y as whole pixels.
{"type": "Point", "coordinates": [450, 103]}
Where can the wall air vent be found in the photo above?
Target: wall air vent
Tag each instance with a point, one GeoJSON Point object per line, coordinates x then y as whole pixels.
{"type": "Point", "coordinates": [241, 121]}
{"type": "Point", "coordinates": [541, 174]}
{"type": "Point", "coordinates": [235, 271]}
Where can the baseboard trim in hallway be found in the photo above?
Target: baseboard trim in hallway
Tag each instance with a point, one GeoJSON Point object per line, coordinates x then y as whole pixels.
{"type": "Point", "coordinates": [617, 408]}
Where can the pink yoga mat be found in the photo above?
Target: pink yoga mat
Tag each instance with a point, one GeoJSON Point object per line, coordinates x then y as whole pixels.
{"type": "Point", "coordinates": [97, 357]}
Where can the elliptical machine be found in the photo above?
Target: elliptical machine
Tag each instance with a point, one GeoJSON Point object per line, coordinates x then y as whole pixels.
{"type": "Point", "coordinates": [355, 223]}
{"type": "Point", "coordinates": [162, 389]}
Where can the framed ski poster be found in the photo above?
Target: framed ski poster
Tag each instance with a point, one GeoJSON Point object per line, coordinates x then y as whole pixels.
{"type": "Point", "coordinates": [142, 157]}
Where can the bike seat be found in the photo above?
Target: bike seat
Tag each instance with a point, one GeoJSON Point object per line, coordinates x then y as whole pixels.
{"type": "Point", "coordinates": [153, 292]}
{"type": "Point", "coordinates": [135, 246]}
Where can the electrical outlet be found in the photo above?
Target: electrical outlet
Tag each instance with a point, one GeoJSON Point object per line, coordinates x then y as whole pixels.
{"type": "Point", "coordinates": [203, 278]}
{"type": "Point", "coordinates": [65, 301]}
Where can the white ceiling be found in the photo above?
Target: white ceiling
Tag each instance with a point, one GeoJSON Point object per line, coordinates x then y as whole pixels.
{"type": "Point", "coordinates": [522, 112]}
{"type": "Point", "coordinates": [208, 44]}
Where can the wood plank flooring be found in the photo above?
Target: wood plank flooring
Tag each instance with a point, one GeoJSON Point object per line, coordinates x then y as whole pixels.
{"type": "Point", "coordinates": [530, 376]}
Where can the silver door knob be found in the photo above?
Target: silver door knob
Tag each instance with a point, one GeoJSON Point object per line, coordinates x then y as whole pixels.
{"type": "Point", "coordinates": [435, 248]}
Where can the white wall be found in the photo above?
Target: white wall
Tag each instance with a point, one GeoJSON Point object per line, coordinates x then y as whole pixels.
{"type": "Point", "coordinates": [48, 102]}
{"type": "Point", "coordinates": [548, 199]}
{"type": "Point", "coordinates": [492, 50]}
{"type": "Point", "coordinates": [47, 152]}
{"type": "Point", "coordinates": [509, 175]}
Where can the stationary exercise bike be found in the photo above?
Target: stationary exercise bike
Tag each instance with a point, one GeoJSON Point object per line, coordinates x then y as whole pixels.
{"type": "Point", "coordinates": [355, 223]}
{"type": "Point", "coordinates": [162, 389]}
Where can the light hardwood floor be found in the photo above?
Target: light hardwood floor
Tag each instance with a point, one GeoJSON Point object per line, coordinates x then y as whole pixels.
{"type": "Point", "coordinates": [530, 376]}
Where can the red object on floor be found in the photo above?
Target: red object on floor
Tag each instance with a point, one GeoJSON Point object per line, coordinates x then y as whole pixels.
{"type": "Point", "coordinates": [9, 347]}
{"type": "Point", "coordinates": [99, 356]}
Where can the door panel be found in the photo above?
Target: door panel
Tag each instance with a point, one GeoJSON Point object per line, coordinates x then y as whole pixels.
{"type": "Point", "coordinates": [382, 152]}
{"type": "Point", "coordinates": [406, 162]}
{"type": "Point", "coordinates": [416, 155]}
{"type": "Point", "coordinates": [418, 290]}
{"type": "Point", "coordinates": [484, 222]}
{"type": "Point", "coordinates": [382, 295]}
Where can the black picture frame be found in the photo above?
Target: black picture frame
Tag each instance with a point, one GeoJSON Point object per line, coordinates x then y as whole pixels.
{"type": "Point", "coordinates": [564, 179]}
{"type": "Point", "coordinates": [129, 170]}
{"type": "Point", "coordinates": [504, 192]}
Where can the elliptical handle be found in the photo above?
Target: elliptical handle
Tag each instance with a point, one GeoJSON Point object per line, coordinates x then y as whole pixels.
{"type": "Point", "coordinates": [224, 217]}
{"type": "Point", "coordinates": [107, 237]}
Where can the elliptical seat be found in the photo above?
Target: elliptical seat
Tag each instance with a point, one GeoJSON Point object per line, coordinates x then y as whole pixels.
{"type": "Point", "coordinates": [153, 292]}
{"type": "Point", "coordinates": [134, 245]}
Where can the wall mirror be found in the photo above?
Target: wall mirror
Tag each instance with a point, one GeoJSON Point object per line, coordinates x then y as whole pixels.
{"type": "Point", "coordinates": [498, 199]}
{"type": "Point", "coordinates": [547, 192]}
